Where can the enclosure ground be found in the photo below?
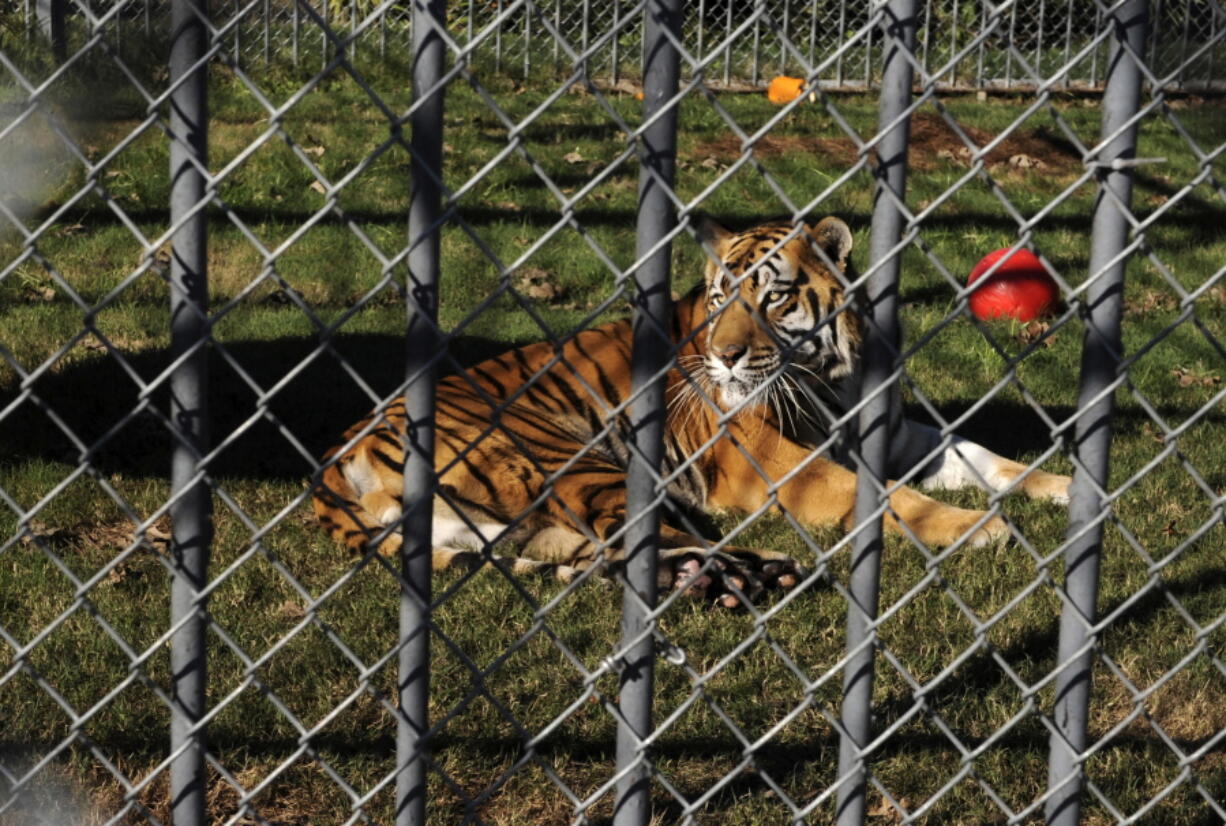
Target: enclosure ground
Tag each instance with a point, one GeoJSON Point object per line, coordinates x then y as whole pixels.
{"type": "Point", "coordinates": [329, 268]}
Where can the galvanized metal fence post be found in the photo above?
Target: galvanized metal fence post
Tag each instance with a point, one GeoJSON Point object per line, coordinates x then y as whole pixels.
{"type": "Point", "coordinates": [1096, 404]}
{"type": "Point", "coordinates": [426, 169]}
{"type": "Point", "coordinates": [191, 511]}
{"type": "Point", "coordinates": [880, 349]}
{"type": "Point", "coordinates": [51, 21]}
{"type": "Point", "coordinates": [652, 350]}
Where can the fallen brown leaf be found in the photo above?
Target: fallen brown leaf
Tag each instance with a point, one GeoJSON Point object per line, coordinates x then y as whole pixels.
{"type": "Point", "coordinates": [1032, 332]}
{"type": "Point", "coordinates": [1189, 378]}
{"type": "Point", "coordinates": [538, 283]}
{"type": "Point", "coordinates": [1023, 161]}
{"type": "Point", "coordinates": [291, 610]}
{"type": "Point", "coordinates": [1149, 301]}
{"type": "Point", "coordinates": [887, 810]}
{"type": "Point", "coordinates": [37, 530]}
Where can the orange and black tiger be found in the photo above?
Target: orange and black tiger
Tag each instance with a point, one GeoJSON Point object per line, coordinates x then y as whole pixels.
{"type": "Point", "coordinates": [527, 451]}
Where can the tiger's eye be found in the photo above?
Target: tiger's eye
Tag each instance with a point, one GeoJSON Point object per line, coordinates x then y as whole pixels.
{"type": "Point", "coordinates": [775, 297]}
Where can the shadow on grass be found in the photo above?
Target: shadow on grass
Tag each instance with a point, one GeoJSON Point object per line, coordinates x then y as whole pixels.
{"type": "Point", "coordinates": [315, 406]}
{"type": "Point", "coordinates": [1199, 218]}
{"type": "Point", "coordinates": [784, 763]}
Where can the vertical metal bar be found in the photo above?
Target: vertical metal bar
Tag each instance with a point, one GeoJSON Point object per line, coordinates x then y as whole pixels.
{"type": "Point", "coordinates": [267, 32]}
{"type": "Point", "coordinates": [295, 24]}
{"type": "Point", "coordinates": [1213, 19]}
{"type": "Point", "coordinates": [787, 36]}
{"type": "Point", "coordinates": [868, 56]}
{"type": "Point", "coordinates": [586, 33]}
{"type": "Point", "coordinates": [616, 54]}
{"type": "Point", "coordinates": [470, 24]}
{"type": "Point", "coordinates": [702, 29]}
{"type": "Point", "coordinates": [1038, 46]}
{"type": "Point", "coordinates": [425, 199]}
{"type": "Point", "coordinates": [191, 514]}
{"type": "Point", "coordinates": [557, 47]}
{"type": "Point", "coordinates": [927, 34]}
{"type": "Point", "coordinates": [880, 346]}
{"type": "Point", "coordinates": [642, 43]}
{"type": "Point", "coordinates": [238, 29]}
{"type": "Point", "coordinates": [813, 33]}
{"type": "Point", "coordinates": [498, 39]}
{"type": "Point", "coordinates": [1100, 357]}
{"type": "Point", "coordinates": [528, 9]}
{"type": "Point", "coordinates": [1183, 40]}
{"type": "Point", "coordinates": [652, 351]}
{"type": "Point", "coordinates": [1155, 39]}
{"type": "Point", "coordinates": [758, 6]}
{"type": "Point", "coordinates": [838, 64]}
{"type": "Point", "coordinates": [1068, 42]}
{"type": "Point", "coordinates": [323, 34]}
{"type": "Point", "coordinates": [1098, 24]}
{"type": "Point", "coordinates": [51, 14]}
{"type": "Point", "coordinates": [1009, 48]}
{"type": "Point", "coordinates": [728, 44]}
{"type": "Point", "coordinates": [980, 80]}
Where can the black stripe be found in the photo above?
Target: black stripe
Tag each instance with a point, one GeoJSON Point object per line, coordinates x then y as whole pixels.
{"type": "Point", "coordinates": [500, 389]}
{"type": "Point", "coordinates": [397, 466]}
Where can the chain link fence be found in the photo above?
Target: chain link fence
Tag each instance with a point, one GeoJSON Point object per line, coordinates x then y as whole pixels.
{"type": "Point", "coordinates": [206, 279]}
{"type": "Point", "coordinates": [744, 43]}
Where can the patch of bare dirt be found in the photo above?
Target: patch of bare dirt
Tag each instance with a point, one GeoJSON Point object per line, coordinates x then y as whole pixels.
{"type": "Point", "coordinates": [933, 143]}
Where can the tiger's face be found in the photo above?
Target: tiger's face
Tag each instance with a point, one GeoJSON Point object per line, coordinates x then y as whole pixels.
{"type": "Point", "coordinates": [774, 311]}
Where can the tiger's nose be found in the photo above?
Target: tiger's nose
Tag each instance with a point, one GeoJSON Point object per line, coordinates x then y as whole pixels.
{"type": "Point", "coordinates": [731, 354]}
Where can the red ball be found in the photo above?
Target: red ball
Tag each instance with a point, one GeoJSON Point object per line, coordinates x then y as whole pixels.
{"type": "Point", "coordinates": [1020, 288]}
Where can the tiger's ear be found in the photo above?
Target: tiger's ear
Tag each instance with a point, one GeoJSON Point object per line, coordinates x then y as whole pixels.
{"type": "Point", "coordinates": [711, 235]}
{"type": "Point", "coordinates": [833, 236]}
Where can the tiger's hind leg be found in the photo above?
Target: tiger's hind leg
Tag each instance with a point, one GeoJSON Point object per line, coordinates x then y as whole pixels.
{"type": "Point", "coordinates": [967, 464]}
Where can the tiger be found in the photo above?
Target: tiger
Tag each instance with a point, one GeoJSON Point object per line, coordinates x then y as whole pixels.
{"type": "Point", "coordinates": [525, 453]}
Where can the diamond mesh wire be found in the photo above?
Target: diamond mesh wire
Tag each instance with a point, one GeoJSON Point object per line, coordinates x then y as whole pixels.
{"type": "Point", "coordinates": [780, 37]}
{"type": "Point", "coordinates": [306, 195]}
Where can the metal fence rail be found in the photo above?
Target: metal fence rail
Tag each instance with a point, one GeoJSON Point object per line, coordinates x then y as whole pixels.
{"type": "Point", "coordinates": [203, 459]}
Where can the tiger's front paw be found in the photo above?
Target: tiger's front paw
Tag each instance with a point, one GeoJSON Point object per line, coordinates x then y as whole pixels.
{"type": "Point", "coordinates": [728, 579]}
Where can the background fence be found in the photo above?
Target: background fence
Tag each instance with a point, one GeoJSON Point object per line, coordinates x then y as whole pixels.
{"type": "Point", "coordinates": [206, 278]}
{"type": "Point", "coordinates": [745, 42]}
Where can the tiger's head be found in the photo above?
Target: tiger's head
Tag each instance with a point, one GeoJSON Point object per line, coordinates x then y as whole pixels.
{"type": "Point", "coordinates": [780, 320]}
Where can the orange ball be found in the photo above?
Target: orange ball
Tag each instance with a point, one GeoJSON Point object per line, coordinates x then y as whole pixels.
{"type": "Point", "coordinates": [1021, 287]}
{"type": "Point", "coordinates": [784, 89]}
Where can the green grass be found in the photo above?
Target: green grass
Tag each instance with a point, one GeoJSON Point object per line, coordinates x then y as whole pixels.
{"type": "Point", "coordinates": [510, 209]}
